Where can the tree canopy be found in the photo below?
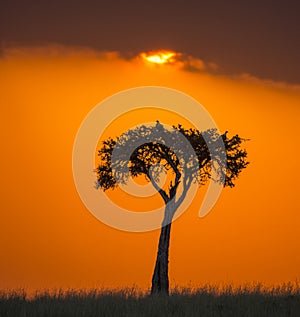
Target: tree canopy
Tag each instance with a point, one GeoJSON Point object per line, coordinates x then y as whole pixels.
{"type": "Point", "coordinates": [152, 147]}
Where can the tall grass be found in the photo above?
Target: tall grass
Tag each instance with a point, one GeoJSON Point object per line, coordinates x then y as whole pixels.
{"type": "Point", "coordinates": [247, 301]}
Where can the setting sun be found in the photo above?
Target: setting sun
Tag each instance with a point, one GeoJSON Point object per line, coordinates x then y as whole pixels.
{"type": "Point", "coordinates": [159, 57]}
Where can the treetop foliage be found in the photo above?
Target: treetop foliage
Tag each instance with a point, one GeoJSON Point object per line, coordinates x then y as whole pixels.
{"type": "Point", "coordinates": [192, 155]}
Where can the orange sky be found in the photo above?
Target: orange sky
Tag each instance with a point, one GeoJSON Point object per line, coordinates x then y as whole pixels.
{"type": "Point", "coordinates": [48, 239]}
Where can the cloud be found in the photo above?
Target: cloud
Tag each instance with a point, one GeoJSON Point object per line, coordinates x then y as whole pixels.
{"type": "Point", "coordinates": [56, 50]}
{"type": "Point", "coordinates": [181, 61]}
{"type": "Point", "coordinates": [267, 82]}
{"type": "Point", "coordinates": [178, 59]}
{"type": "Point", "coordinates": [194, 64]}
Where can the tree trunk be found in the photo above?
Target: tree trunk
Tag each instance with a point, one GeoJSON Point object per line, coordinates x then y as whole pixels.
{"type": "Point", "coordinates": [160, 279]}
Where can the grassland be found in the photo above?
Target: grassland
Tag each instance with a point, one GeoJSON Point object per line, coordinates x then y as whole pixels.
{"type": "Point", "coordinates": [210, 301]}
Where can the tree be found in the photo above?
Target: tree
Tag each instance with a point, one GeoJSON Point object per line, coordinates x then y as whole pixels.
{"type": "Point", "coordinates": [187, 155]}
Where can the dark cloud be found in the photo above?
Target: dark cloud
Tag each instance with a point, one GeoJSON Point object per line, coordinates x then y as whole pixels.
{"type": "Point", "coordinates": [259, 38]}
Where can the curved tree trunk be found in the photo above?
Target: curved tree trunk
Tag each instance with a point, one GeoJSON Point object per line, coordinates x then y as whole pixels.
{"type": "Point", "coordinates": [160, 279]}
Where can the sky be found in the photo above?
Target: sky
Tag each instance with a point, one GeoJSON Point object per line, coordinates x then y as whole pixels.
{"type": "Point", "coordinates": [256, 37]}
{"type": "Point", "coordinates": [59, 61]}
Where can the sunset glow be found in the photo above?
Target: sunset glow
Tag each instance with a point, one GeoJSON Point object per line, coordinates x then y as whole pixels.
{"type": "Point", "coordinates": [160, 57]}
{"type": "Point", "coordinates": [48, 238]}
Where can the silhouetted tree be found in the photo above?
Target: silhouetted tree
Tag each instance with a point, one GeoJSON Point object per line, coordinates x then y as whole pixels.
{"type": "Point", "coordinates": [156, 148]}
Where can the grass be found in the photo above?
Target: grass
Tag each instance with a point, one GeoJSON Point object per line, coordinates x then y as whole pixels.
{"type": "Point", "coordinates": [210, 301]}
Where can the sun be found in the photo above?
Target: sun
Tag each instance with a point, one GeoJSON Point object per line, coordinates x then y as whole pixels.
{"type": "Point", "coordinates": [160, 57]}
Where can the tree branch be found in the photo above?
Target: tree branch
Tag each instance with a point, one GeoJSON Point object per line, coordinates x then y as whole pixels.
{"type": "Point", "coordinates": [160, 190]}
{"type": "Point", "coordinates": [186, 186]}
{"type": "Point", "coordinates": [168, 158]}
